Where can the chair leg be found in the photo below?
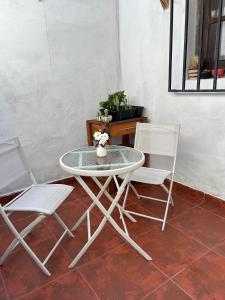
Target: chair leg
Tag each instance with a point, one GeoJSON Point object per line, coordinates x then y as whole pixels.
{"type": "Point", "coordinates": [34, 257]}
{"type": "Point", "coordinates": [135, 191]}
{"type": "Point", "coordinates": [166, 189]}
{"type": "Point", "coordinates": [61, 223]}
{"type": "Point", "coordinates": [23, 234]}
{"type": "Point", "coordinates": [165, 214]}
{"type": "Point", "coordinates": [167, 205]}
{"type": "Point", "coordinates": [19, 239]}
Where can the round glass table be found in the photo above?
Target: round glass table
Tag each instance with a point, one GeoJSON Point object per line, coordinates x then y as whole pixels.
{"type": "Point", "coordinates": [119, 160]}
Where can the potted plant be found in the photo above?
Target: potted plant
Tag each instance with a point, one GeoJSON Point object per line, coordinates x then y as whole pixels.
{"type": "Point", "coordinates": [117, 106]}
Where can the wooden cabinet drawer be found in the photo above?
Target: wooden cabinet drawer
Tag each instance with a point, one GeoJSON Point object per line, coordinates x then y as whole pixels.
{"type": "Point", "coordinates": [123, 129]}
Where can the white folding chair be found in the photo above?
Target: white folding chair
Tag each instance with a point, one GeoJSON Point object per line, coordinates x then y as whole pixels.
{"type": "Point", "coordinates": [42, 199]}
{"type": "Point", "coordinates": [156, 140]}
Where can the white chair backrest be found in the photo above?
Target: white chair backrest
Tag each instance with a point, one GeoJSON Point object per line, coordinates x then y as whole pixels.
{"type": "Point", "coordinates": [157, 139]}
{"type": "Point", "coordinates": [15, 174]}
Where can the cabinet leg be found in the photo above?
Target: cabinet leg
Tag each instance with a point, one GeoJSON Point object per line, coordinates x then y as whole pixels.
{"type": "Point", "coordinates": [126, 140]}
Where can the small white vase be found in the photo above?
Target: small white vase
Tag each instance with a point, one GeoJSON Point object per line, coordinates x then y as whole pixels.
{"type": "Point", "coordinates": [101, 151]}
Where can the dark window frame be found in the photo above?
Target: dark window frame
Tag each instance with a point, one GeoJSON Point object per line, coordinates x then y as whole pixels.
{"type": "Point", "coordinates": [198, 88]}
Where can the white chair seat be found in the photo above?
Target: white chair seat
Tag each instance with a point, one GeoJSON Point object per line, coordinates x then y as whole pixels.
{"type": "Point", "coordinates": [43, 198]}
{"type": "Point", "coordinates": [149, 175]}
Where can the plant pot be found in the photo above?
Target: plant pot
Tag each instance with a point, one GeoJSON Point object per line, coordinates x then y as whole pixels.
{"type": "Point", "coordinates": [137, 111]}
{"type": "Point", "coordinates": [125, 114]}
{"type": "Point", "coordinates": [122, 114]}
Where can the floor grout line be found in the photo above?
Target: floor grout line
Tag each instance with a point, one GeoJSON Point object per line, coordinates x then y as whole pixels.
{"type": "Point", "coordinates": [89, 285]}
{"type": "Point", "coordinates": [190, 236]}
{"type": "Point", "coordinates": [155, 289]}
{"type": "Point", "coordinates": [190, 264]}
{"type": "Point", "coordinates": [179, 215]}
{"type": "Point", "coordinates": [212, 212]}
{"type": "Point", "coordinates": [4, 285]}
{"type": "Point", "coordinates": [170, 278]}
{"type": "Point", "coordinates": [181, 288]}
{"type": "Point", "coordinates": [195, 239]}
{"type": "Point", "coordinates": [216, 253]}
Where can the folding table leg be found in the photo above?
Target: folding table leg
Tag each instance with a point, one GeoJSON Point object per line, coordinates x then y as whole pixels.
{"type": "Point", "coordinates": [129, 240]}
{"type": "Point", "coordinates": [89, 242]}
{"type": "Point", "coordinates": [75, 226]}
{"type": "Point", "coordinates": [107, 217]}
{"type": "Point", "coordinates": [111, 199]}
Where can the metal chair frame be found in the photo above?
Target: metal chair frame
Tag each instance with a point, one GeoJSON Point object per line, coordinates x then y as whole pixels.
{"type": "Point", "coordinates": [6, 211]}
{"type": "Point", "coordinates": [169, 199]}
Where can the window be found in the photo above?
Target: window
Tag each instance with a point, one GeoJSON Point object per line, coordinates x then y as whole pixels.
{"type": "Point", "coordinates": [197, 46]}
{"type": "Point", "coordinates": [211, 15]}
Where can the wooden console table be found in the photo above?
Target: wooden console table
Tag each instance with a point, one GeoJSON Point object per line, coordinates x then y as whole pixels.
{"type": "Point", "coordinates": [118, 128]}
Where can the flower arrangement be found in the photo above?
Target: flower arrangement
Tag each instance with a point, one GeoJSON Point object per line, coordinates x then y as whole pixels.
{"type": "Point", "coordinates": [100, 138]}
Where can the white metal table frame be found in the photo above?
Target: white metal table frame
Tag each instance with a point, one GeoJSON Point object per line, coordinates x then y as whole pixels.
{"type": "Point", "coordinates": [125, 168]}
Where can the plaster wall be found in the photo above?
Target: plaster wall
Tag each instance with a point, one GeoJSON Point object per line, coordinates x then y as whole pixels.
{"type": "Point", "coordinates": [144, 39]}
{"type": "Point", "coordinates": [58, 59]}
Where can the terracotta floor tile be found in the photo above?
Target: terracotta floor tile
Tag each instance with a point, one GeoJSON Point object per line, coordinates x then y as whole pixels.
{"type": "Point", "coordinates": [68, 287]}
{"type": "Point", "coordinates": [214, 205]}
{"type": "Point", "coordinates": [171, 250]}
{"type": "Point", "coordinates": [220, 249]}
{"type": "Point", "coordinates": [3, 295]}
{"type": "Point", "coordinates": [167, 292]}
{"type": "Point", "coordinates": [202, 225]}
{"type": "Point", "coordinates": [205, 278]}
{"type": "Point", "coordinates": [106, 241]}
{"type": "Point", "coordinates": [122, 274]}
{"type": "Point", "coordinates": [21, 274]}
{"type": "Point", "coordinates": [188, 194]}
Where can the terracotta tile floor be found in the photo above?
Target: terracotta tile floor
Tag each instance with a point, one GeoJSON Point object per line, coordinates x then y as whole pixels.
{"type": "Point", "coordinates": [188, 257]}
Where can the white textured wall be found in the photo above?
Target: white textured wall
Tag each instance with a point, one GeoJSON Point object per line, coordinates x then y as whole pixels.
{"type": "Point", "coordinates": [58, 59]}
{"type": "Point", "coordinates": [144, 35]}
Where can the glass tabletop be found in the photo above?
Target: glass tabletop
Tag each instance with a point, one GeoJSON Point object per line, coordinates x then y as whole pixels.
{"type": "Point", "coordinates": [84, 161]}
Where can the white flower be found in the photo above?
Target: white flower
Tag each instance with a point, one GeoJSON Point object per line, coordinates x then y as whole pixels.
{"type": "Point", "coordinates": [97, 135]}
{"type": "Point", "coordinates": [100, 138]}
{"type": "Point", "coordinates": [105, 136]}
